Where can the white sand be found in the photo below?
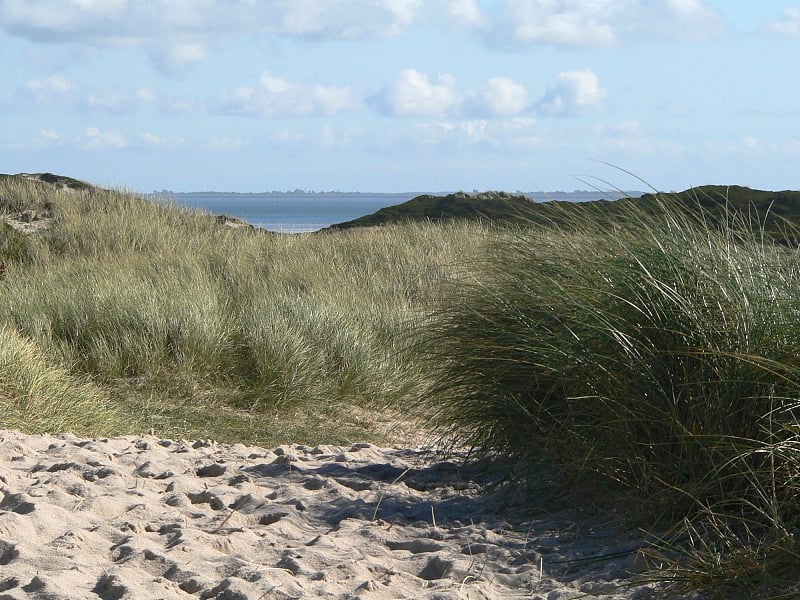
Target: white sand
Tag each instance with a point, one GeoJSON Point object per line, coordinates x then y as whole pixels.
{"type": "Point", "coordinates": [143, 518]}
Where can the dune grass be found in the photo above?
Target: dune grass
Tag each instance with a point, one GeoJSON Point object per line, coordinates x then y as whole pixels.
{"type": "Point", "coordinates": [41, 398]}
{"type": "Point", "coordinates": [197, 329]}
{"type": "Point", "coordinates": [660, 353]}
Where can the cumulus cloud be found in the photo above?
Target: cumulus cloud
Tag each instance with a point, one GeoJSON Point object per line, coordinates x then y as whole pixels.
{"type": "Point", "coordinates": [273, 97]}
{"type": "Point", "coordinates": [414, 94]}
{"type": "Point", "coordinates": [95, 139]}
{"type": "Point", "coordinates": [500, 96]}
{"type": "Point", "coordinates": [560, 22]}
{"type": "Point", "coordinates": [417, 94]}
{"type": "Point", "coordinates": [573, 93]}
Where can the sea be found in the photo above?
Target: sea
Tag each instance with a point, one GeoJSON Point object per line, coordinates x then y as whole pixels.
{"type": "Point", "coordinates": [288, 212]}
{"type": "Point", "coordinates": [300, 212]}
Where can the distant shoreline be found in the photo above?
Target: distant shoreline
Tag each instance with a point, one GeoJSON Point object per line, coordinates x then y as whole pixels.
{"type": "Point", "coordinates": [574, 196]}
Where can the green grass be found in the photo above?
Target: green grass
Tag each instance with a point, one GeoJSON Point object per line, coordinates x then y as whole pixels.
{"type": "Point", "coordinates": [660, 354]}
{"type": "Point", "coordinates": [195, 329]}
{"type": "Point", "coordinates": [40, 398]}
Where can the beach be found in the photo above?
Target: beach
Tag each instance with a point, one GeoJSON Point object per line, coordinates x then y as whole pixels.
{"type": "Point", "coordinates": [142, 517]}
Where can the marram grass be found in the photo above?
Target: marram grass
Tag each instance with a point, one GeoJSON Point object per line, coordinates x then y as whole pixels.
{"type": "Point", "coordinates": [38, 397]}
{"type": "Point", "coordinates": [661, 352]}
{"type": "Point", "coordinates": [196, 329]}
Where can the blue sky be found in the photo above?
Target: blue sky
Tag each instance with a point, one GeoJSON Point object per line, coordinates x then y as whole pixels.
{"type": "Point", "coordinates": [402, 95]}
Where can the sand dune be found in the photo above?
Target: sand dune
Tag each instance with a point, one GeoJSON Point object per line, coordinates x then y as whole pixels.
{"type": "Point", "coordinates": [140, 517]}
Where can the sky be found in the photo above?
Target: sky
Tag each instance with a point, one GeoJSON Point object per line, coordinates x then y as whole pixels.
{"type": "Point", "coordinates": [402, 95]}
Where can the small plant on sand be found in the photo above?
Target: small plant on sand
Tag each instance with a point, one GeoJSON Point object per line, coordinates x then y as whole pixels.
{"type": "Point", "coordinates": [658, 349]}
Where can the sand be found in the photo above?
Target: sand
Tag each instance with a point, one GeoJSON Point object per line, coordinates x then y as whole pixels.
{"type": "Point", "coordinates": [140, 517]}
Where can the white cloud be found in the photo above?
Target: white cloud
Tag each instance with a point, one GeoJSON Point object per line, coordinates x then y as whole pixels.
{"type": "Point", "coordinates": [358, 19]}
{"type": "Point", "coordinates": [500, 96]}
{"type": "Point", "coordinates": [150, 139]}
{"type": "Point", "coordinates": [748, 141]}
{"type": "Point", "coordinates": [691, 9]}
{"type": "Point", "coordinates": [470, 133]}
{"type": "Point", "coordinates": [226, 144]}
{"type": "Point", "coordinates": [289, 136]}
{"type": "Point", "coordinates": [573, 93]}
{"type": "Point", "coordinates": [417, 94]}
{"type": "Point", "coordinates": [106, 22]}
{"type": "Point", "coordinates": [100, 7]}
{"type": "Point", "coordinates": [54, 84]}
{"type": "Point", "coordinates": [402, 11]}
{"type": "Point", "coordinates": [600, 23]}
{"type": "Point", "coordinates": [180, 33]}
{"type": "Point", "coordinates": [556, 22]}
{"type": "Point", "coordinates": [274, 97]}
{"type": "Point", "coordinates": [791, 148]}
{"type": "Point", "coordinates": [639, 146]}
{"type": "Point", "coordinates": [48, 138]}
{"type": "Point", "coordinates": [45, 92]}
{"type": "Point", "coordinates": [788, 24]}
{"type": "Point", "coordinates": [182, 105]}
{"type": "Point", "coordinates": [77, 20]}
{"type": "Point", "coordinates": [681, 19]}
{"type": "Point", "coordinates": [176, 57]}
{"type": "Point", "coordinates": [120, 103]}
{"type": "Point", "coordinates": [463, 12]}
{"type": "Point", "coordinates": [413, 94]}
{"type": "Point", "coordinates": [335, 19]}
{"type": "Point", "coordinates": [629, 127]}
{"type": "Point", "coordinates": [95, 139]}
{"type": "Point", "coordinates": [675, 108]}
{"type": "Point", "coordinates": [324, 137]}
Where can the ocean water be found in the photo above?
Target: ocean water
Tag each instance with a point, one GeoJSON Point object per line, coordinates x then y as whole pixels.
{"type": "Point", "coordinates": [297, 212]}
{"type": "Point", "coordinates": [289, 213]}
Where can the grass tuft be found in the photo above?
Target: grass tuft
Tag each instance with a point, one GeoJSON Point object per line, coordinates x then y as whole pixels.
{"type": "Point", "coordinates": [657, 350]}
{"type": "Point", "coordinates": [37, 397]}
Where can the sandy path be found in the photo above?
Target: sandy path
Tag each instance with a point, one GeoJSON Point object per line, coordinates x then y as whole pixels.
{"type": "Point", "coordinates": [143, 518]}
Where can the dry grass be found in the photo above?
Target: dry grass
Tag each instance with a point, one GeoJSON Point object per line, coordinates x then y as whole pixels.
{"type": "Point", "coordinates": [195, 329]}
{"type": "Point", "coordinates": [662, 355]}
